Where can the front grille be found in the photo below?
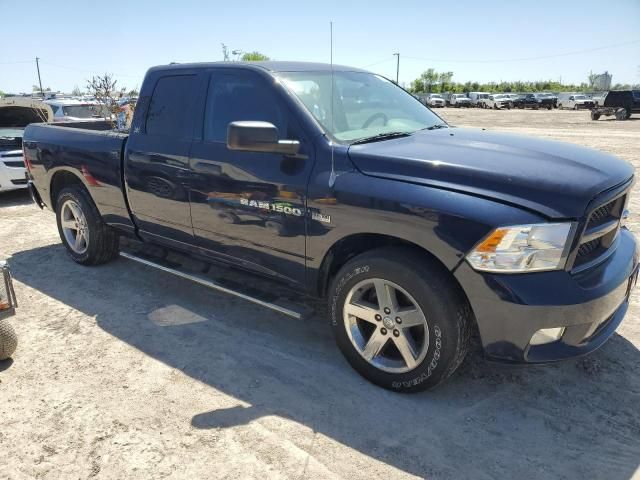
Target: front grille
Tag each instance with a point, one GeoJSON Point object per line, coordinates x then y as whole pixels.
{"type": "Point", "coordinates": [600, 231]}
{"type": "Point", "coordinates": [13, 163]}
{"type": "Point", "coordinates": [601, 214]}
{"type": "Point", "coordinates": [10, 143]}
{"type": "Point", "coordinates": [589, 247]}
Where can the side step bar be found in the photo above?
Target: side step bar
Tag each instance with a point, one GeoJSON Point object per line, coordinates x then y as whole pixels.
{"type": "Point", "coordinates": [213, 285]}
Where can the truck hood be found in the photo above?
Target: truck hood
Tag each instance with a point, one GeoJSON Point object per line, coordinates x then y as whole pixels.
{"type": "Point", "coordinates": [555, 179]}
{"type": "Point", "coordinates": [20, 113]}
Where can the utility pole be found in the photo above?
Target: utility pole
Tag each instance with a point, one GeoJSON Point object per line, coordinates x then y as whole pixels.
{"type": "Point", "coordinates": [397, 67]}
{"type": "Point", "coordinates": [39, 80]}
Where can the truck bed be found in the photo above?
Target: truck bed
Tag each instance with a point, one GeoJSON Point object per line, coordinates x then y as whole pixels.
{"type": "Point", "coordinates": [91, 151]}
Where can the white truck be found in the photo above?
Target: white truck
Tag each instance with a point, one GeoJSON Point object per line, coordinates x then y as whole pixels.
{"type": "Point", "coordinates": [15, 114]}
{"type": "Point", "coordinates": [459, 100]}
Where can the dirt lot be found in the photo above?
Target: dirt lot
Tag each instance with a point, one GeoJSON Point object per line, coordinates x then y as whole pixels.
{"type": "Point", "coordinates": [124, 372]}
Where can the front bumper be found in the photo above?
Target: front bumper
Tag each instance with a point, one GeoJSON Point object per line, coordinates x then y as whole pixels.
{"type": "Point", "coordinates": [590, 305]}
{"type": "Point", "coordinates": [11, 178]}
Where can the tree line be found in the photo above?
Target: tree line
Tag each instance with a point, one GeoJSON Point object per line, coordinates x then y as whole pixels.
{"type": "Point", "coordinates": [431, 81]}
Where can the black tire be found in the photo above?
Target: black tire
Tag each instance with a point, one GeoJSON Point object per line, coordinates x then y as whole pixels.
{"type": "Point", "coordinates": [8, 340]}
{"type": "Point", "coordinates": [594, 116]}
{"type": "Point", "coordinates": [103, 241]}
{"type": "Point", "coordinates": [560, 106]}
{"type": "Point", "coordinates": [621, 114]}
{"type": "Point", "coordinates": [627, 113]}
{"type": "Point", "coordinates": [449, 317]}
{"type": "Point", "coordinates": [549, 107]}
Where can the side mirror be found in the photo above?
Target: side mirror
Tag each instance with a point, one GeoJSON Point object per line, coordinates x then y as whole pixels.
{"type": "Point", "coordinates": [251, 136]}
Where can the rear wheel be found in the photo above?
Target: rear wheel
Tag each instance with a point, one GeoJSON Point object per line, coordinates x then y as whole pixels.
{"type": "Point", "coordinates": [621, 114]}
{"type": "Point", "coordinates": [399, 319]}
{"type": "Point", "coordinates": [594, 115]}
{"type": "Point", "coordinates": [88, 240]}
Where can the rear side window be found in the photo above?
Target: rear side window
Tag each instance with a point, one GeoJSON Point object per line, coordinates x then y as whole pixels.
{"type": "Point", "coordinates": [234, 98]}
{"type": "Point", "coordinates": [170, 111]}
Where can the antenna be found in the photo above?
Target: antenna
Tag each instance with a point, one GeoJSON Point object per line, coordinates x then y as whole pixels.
{"type": "Point", "coordinates": [332, 175]}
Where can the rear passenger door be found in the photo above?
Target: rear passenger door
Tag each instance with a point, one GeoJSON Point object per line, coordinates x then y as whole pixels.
{"type": "Point", "coordinates": [248, 208]}
{"type": "Point", "coordinates": [157, 157]}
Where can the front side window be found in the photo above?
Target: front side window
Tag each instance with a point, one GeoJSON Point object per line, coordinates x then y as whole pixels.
{"type": "Point", "coordinates": [239, 97]}
{"type": "Point", "coordinates": [171, 110]}
{"type": "Point", "coordinates": [364, 104]}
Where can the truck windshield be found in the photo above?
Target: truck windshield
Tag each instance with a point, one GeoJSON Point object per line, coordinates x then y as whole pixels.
{"type": "Point", "coordinates": [365, 105]}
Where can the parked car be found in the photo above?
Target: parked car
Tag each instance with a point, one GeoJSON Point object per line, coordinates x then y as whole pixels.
{"type": "Point", "coordinates": [533, 100]}
{"type": "Point", "coordinates": [430, 232]}
{"type": "Point", "coordinates": [459, 100]}
{"type": "Point", "coordinates": [435, 100]}
{"type": "Point", "coordinates": [497, 101]}
{"type": "Point", "coordinates": [69, 110]}
{"type": "Point", "coordinates": [15, 114]}
{"type": "Point", "coordinates": [552, 96]}
{"type": "Point", "coordinates": [598, 99]}
{"type": "Point", "coordinates": [621, 103]}
{"type": "Point", "coordinates": [574, 101]}
{"type": "Point", "coordinates": [477, 97]}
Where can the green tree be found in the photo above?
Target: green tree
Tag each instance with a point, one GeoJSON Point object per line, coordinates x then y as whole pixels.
{"type": "Point", "coordinates": [76, 92]}
{"type": "Point", "coordinates": [254, 57]}
{"type": "Point", "coordinates": [444, 78]}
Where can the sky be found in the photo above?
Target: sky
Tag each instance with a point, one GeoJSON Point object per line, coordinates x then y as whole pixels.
{"type": "Point", "coordinates": [558, 40]}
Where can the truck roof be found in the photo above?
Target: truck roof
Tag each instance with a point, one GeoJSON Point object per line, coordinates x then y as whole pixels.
{"type": "Point", "coordinates": [272, 66]}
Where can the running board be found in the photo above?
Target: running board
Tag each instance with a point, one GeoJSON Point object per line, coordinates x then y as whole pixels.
{"type": "Point", "coordinates": [213, 285]}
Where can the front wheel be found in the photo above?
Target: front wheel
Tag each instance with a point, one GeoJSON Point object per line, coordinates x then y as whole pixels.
{"type": "Point", "coordinates": [88, 240]}
{"type": "Point", "coordinates": [399, 319]}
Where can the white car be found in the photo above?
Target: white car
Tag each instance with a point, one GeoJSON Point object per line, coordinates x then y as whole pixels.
{"type": "Point", "coordinates": [435, 100]}
{"type": "Point", "coordinates": [15, 115]}
{"type": "Point", "coordinates": [497, 101]}
{"type": "Point", "coordinates": [459, 100]}
{"type": "Point", "coordinates": [69, 110]}
{"type": "Point", "coordinates": [574, 101]}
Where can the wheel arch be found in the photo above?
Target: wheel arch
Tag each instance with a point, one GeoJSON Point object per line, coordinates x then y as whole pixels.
{"type": "Point", "coordinates": [63, 178]}
{"type": "Point", "coordinates": [355, 244]}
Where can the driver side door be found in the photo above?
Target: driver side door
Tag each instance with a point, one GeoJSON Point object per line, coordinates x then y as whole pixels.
{"type": "Point", "coordinates": [249, 208]}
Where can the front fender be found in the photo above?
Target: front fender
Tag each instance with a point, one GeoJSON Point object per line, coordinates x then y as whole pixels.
{"type": "Point", "coordinates": [446, 224]}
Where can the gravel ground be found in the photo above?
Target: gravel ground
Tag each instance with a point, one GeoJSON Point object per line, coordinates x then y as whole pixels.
{"type": "Point", "coordinates": [124, 372]}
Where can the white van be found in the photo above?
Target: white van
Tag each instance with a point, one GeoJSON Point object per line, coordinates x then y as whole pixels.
{"type": "Point", "coordinates": [477, 97]}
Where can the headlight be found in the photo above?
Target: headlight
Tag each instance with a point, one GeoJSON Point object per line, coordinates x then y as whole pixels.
{"type": "Point", "coordinates": [522, 248]}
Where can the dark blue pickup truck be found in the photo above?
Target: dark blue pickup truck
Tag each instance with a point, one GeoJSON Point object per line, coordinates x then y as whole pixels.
{"type": "Point", "coordinates": [340, 184]}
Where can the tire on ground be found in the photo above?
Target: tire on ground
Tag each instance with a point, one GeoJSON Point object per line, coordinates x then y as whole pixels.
{"type": "Point", "coordinates": [103, 241]}
{"type": "Point", "coordinates": [445, 307]}
{"type": "Point", "coordinates": [8, 340]}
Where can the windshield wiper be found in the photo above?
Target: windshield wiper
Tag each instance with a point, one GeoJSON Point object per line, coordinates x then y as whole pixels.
{"type": "Point", "coordinates": [381, 136]}
{"type": "Point", "coordinates": [436, 126]}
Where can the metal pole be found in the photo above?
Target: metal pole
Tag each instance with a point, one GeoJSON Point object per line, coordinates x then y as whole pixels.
{"type": "Point", "coordinates": [39, 80]}
{"type": "Point", "coordinates": [397, 67]}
